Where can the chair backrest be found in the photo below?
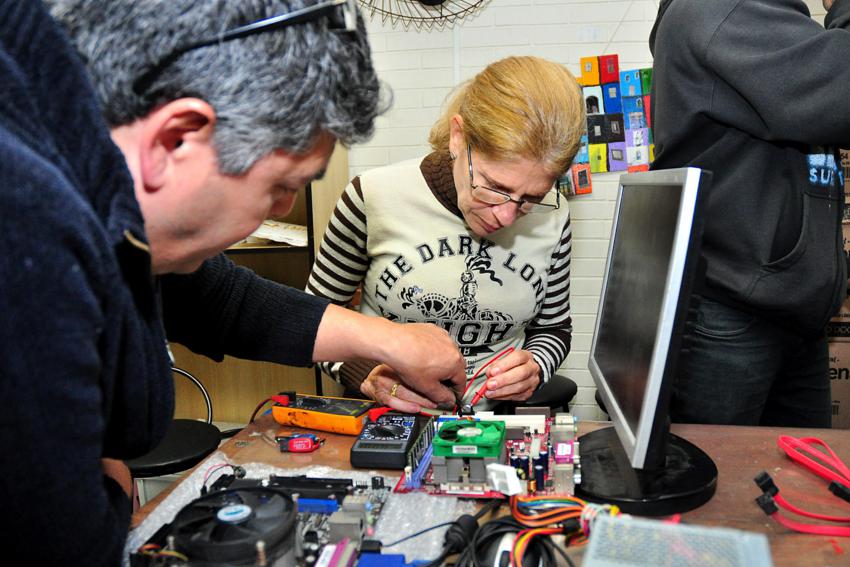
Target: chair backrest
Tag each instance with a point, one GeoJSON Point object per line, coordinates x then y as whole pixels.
{"type": "Point", "coordinates": [200, 386]}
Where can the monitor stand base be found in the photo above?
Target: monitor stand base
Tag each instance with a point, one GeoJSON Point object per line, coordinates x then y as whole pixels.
{"type": "Point", "coordinates": [686, 481]}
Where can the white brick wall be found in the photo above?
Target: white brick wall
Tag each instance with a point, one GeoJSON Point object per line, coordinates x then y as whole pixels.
{"type": "Point", "coordinates": [421, 67]}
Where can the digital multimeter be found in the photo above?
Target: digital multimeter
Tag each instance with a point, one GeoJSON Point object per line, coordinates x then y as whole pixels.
{"type": "Point", "coordinates": [324, 413]}
{"type": "Point", "coordinates": [386, 442]}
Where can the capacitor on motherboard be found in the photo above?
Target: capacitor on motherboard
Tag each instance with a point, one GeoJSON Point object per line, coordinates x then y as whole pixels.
{"type": "Point", "coordinates": [515, 461]}
{"type": "Point", "coordinates": [538, 477]}
{"type": "Point", "coordinates": [534, 462]}
{"type": "Point", "coordinates": [544, 460]}
{"type": "Point", "coordinates": [523, 464]}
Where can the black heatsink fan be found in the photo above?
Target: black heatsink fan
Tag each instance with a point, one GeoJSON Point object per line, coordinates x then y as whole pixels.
{"type": "Point", "coordinates": [223, 528]}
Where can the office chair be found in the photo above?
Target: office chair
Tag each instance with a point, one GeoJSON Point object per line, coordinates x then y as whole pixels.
{"type": "Point", "coordinates": [187, 442]}
{"type": "Point", "coordinates": [600, 403]}
{"type": "Point", "coordinates": [556, 394]}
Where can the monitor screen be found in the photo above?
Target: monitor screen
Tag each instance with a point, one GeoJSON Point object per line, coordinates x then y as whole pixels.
{"type": "Point", "coordinates": [652, 263]}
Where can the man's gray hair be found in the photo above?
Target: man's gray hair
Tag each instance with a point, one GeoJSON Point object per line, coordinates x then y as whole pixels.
{"type": "Point", "coordinates": [277, 89]}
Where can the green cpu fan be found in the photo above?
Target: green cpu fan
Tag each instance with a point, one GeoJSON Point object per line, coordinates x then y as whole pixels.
{"type": "Point", "coordinates": [474, 439]}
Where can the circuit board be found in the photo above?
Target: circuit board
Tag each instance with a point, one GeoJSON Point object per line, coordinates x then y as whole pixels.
{"type": "Point", "coordinates": [539, 456]}
{"type": "Point", "coordinates": [331, 513]}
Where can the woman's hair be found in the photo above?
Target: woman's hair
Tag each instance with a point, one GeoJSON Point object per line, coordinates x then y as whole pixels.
{"type": "Point", "coordinates": [518, 108]}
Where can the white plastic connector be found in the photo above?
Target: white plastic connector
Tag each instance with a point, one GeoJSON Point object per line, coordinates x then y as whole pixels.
{"type": "Point", "coordinates": [503, 478]}
{"type": "Point", "coordinates": [529, 422]}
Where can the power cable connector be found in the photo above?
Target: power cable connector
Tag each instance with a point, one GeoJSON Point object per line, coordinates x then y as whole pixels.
{"type": "Point", "coordinates": [767, 504]}
{"type": "Point", "coordinates": [765, 482]}
{"type": "Point", "coordinates": [840, 490]}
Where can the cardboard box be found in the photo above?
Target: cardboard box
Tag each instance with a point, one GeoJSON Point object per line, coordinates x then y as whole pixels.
{"type": "Point", "coordinates": [638, 155]}
{"type": "Point", "coordinates": [589, 71]}
{"type": "Point", "coordinates": [646, 80]}
{"type": "Point", "coordinates": [617, 157]}
{"type": "Point", "coordinates": [565, 184]}
{"type": "Point", "coordinates": [593, 100]}
{"type": "Point", "coordinates": [581, 179]}
{"type": "Point", "coordinates": [838, 331]}
{"type": "Point", "coordinates": [630, 83]}
{"type": "Point", "coordinates": [647, 105]}
{"type": "Point", "coordinates": [609, 69]}
{"type": "Point", "coordinates": [596, 132]}
{"type": "Point", "coordinates": [581, 156]}
{"type": "Point", "coordinates": [598, 157]}
{"type": "Point", "coordinates": [611, 98]}
{"type": "Point", "coordinates": [839, 375]}
{"type": "Point", "coordinates": [615, 130]}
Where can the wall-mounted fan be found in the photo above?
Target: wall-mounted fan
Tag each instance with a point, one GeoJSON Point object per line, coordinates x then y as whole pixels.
{"type": "Point", "coordinates": [427, 14]}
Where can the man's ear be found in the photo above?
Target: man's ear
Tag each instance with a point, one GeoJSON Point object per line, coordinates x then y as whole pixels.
{"type": "Point", "coordinates": [173, 134]}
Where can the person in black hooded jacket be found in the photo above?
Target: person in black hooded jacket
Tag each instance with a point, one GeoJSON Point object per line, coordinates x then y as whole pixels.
{"type": "Point", "coordinates": [758, 93]}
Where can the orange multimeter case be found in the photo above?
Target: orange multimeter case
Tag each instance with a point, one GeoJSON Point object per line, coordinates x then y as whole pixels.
{"type": "Point", "coordinates": [325, 413]}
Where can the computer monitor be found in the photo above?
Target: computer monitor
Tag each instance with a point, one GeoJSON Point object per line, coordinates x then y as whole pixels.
{"type": "Point", "coordinates": [653, 259]}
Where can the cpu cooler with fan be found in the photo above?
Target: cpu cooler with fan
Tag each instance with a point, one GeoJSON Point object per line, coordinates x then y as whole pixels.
{"type": "Point", "coordinates": [466, 438]}
{"type": "Point", "coordinates": [463, 449]}
{"type": "Point", "coordinates": [231, 528]}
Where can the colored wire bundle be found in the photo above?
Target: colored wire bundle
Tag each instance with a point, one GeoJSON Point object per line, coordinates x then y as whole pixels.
{"type": "Point", "coordinates": [542, 511]}
{"type": "Point", "coordinates": [550, 515]}
{"type": "Point", "coordinates": [154, 550]}
{"type": "Point", "coordinates": [533, 520]}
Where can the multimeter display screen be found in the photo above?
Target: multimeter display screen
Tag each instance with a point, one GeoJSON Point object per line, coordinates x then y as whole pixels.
{"type": "Point", "coordinates": [396, 446]}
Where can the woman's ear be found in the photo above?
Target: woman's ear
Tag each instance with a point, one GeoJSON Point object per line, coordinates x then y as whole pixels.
{"type": "Point", "coordinates": [457, 142]}
{"type": "Point", "coordinates": [172, 137]}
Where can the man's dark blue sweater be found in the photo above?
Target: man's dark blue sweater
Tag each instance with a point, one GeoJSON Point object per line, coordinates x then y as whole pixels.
{"type": "Point", "coordinates": [84, 372]}
{"type": "Point", "coordinates": [83, 369]}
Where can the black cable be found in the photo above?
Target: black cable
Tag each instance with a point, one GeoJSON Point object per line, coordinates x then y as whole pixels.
{"type": "Point", "coordinates": [257, 409]}
{"type": "Point", "coordinates": [492, 504]}
{"type": "Point", "coordinates": [460, 533]}
{"type": "Point", "coordinates": [550, 544]}
{"type": "Point", "coordinates": [419, 533]}
{"type": "Point", "coordinates": [227, 434]}
{"type": "Point", "coordinates": [439, 560]}
{"type": "Point", "coordinates": [481, 540]}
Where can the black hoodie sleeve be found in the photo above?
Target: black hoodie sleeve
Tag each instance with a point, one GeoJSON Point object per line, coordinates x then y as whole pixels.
{"type": "Point", "coordinates": [782, 76]}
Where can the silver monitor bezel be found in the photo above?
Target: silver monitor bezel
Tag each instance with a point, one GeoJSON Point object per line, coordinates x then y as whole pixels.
{"type": "Point", "coordinates": [636, 443]}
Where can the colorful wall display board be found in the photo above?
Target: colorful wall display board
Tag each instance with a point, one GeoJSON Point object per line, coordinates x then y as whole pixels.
{"type": "Point", "coordinates": [619, 125]}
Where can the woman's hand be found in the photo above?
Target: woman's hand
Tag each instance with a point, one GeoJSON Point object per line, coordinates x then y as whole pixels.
{"type": "Point", "coordinates": [384, 386]}
{"type": "Point", "coordinates": [514, 376]}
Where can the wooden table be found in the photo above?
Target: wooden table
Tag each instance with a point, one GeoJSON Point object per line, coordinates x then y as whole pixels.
{"type": "Point", "coordinates": [740, 453]}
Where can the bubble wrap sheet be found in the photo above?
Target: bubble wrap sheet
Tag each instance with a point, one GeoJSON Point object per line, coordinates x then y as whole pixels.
{"type": "Point", "coordinates": [405, 514]}
{"type": "Point", "coordinates": [190, 489]}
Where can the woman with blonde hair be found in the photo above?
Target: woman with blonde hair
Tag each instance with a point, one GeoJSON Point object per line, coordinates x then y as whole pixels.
{"type": "Point", "coordinates": [474, 237]}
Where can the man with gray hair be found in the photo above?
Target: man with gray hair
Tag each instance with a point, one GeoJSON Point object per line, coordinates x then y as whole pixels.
{"type": "Point", "coordinates": [220, 112]}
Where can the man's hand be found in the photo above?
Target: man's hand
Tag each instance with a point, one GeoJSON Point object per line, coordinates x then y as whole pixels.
{"type": "Point", "coordinates": [423, 355]}
{"type": "Point", "coordinates": [118, 471]}
{"type": "Point", "coordinates": [427, 360]}
{"type": "Point", "coordinates": [514, 376]}
{"type": "Point", "coordinates": [827, 4]}
{"type": "Point", "coordinates": [385, 387]}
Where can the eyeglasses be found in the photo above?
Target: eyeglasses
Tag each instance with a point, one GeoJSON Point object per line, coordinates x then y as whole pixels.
{"type": "Point", "coordinates": [496, 197]}
{"type": "Point", "coordinates": [341, 14]}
